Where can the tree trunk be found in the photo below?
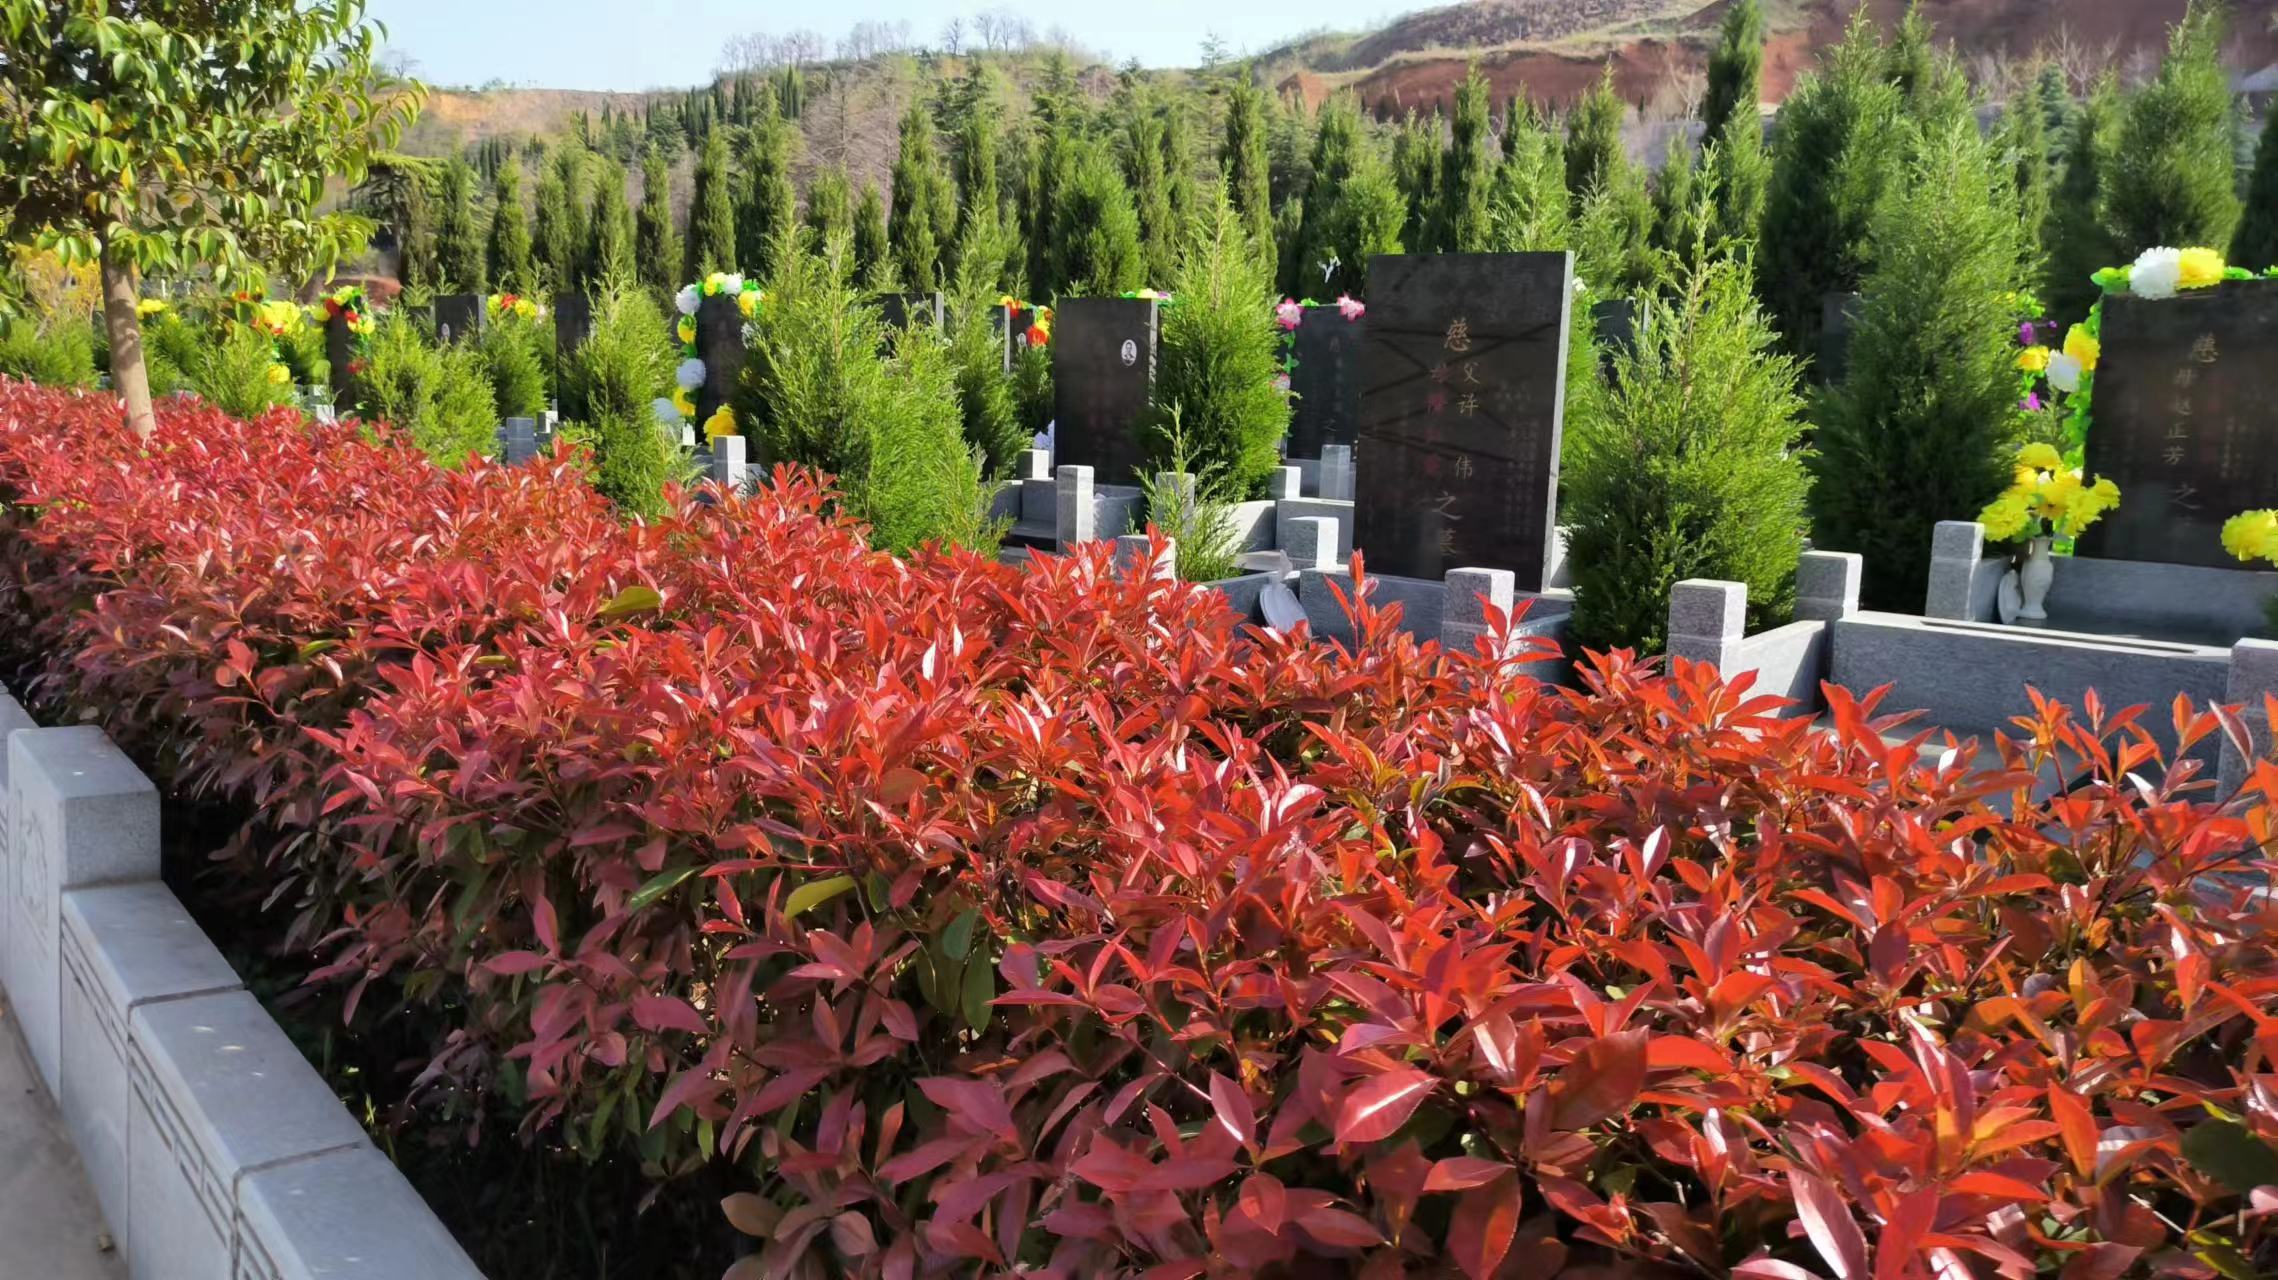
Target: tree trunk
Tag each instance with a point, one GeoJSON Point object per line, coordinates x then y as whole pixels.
{"type": "Point", "coordinates": [128, 376]}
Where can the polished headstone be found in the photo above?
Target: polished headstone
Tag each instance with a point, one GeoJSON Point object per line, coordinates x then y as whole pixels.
{"type": "Point", "coordinates": [1103, 377]}
{"type": "Point", "coordinates": [458, 317]}
{"type": "Point", "coordinates": [1325, 384]}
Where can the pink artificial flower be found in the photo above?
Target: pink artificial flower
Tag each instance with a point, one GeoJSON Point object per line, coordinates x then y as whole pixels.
{"type": "Point", "coordinates": [1350, 309]}
{"type": "Point", "coordinates": [2032, 402]}
{"type": "Point", "coordinates": [1281, 382]}
{"type": "Point", "coordinates": [1289, 313]}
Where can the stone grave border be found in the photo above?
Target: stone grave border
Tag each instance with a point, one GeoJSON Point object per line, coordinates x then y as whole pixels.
{"type": "Point", "coordinates": [212, 1145]}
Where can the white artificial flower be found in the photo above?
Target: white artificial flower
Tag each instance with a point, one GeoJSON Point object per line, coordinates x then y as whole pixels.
{"type": "Point", "coordinates": [691, 374]}
{"type": "Point", "coordinates": [2157, 273]}
{"type": "Point", "coordinates": [668, 414]}
{"type": "Point", "coordinates": [687, 299]}
{"type": "Point", "coordinates": [2064, 373]}
{"type": "Point", "coordinates": [732, 283]}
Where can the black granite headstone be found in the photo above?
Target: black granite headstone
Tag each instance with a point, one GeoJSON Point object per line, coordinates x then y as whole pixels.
{"type": "Point", "coordinates": [458, 317]}
{"type": "Point", "coordinates": [1006, 338]}
{"type": "Point", "coordinates": [2182, 421]}
{"type": "Point", "coordinates": [1103, 376]}
{"type": "Point", "coordinates": [1618, 323]}
{"type": "Point", "coordinates": [720, 343]}
{"type": "Point", "coordinates": [339, 357]}
{"type": "Point", "coordinates": [1462, 402]}
{"type": "Point", "coordinates": [901, 309]}
{"type": "Point", "coordinates": [573, 323]}
{"type": "Point", "coordinates": [1838, 314]}
{"type": "Point", "coordinates": [1326, 382]}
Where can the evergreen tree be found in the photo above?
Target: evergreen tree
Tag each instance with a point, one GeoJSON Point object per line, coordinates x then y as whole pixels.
{"type": "Point", "coordinates": [1932, 91]}
{"type": "Point", "coordinates": [1530, 205]}
{"type": "Point", "coordinates": [1151, 193]}
{"type": "Point", "coordinates": [1735, 68]}
{"type": "Point", "coordinates": [770, 204]}
{"type": "Point", "coordinates": [574, 164]}
{"type": "Point", "coordinates": [1468, 169]}
{"type": "Point", "coordinates": [871, 254]}
{"type": "Point", "coordinates": [1367, 220]}
{"type": "Point", "coordinates": [1833, 160]}
{"type": "Point", "coordinates": [1181, 164]}
{"type": "Point", "coordinates": [1242, 159]}
{"type": "Point", "coordinates": [2057, 111]}
{"type": "Point", "coordinates": [548, 227]}
{"type": "Point", "coordinates": [623, 368]}
{"type": "Point", "coordinates": [1337, 146]}
{"type": "Point", "coordinates": [1289, 149]}
{"type": "Point", "coordinates": [1416, 168]}
{"type": "Point", "coordinates": [656, 241]}
{"type": "Point", "coordinates": [459, 231]}
{"type": "Point", "coordinates": [1922, 427]}
{"type": "Point", "coordinates": [609, 255]}
{"type": "Point", "coordinates": [1096, 246]}
{"type": "Point", "coordinates": [924, 216]}
{"type": "Point", "coordinates": [1692, 470]}
{"type": "Point", "coordinates": [830, 206]}
{"type": "Point", "coordinates": [509, 249]}
{"type": "Point", "coordinates": [1595, 155]}
{"type": "Point", "coordinates": [711, 214]}
{"type": "Point", "coordinates": [1609, 190]}
{"type": "Point", "coordinates": [2171, 179]}
{"type": "Point", "coordinates": [2079, 243]}
{"type": "Point", "coordinates": [415, 237]}
{"type": "Point", "coordinates": [1680, 213]}
{"type": "Point", "coordinates": [1737, 171]}
{"type": "Point", "coordinates": [980, 197]}
{"type": "Point", "coordinates": [2023, 142]}
{"type": "Point", "coordinates": [2255, 244]}
{"type": "Point", "coordinates": [1220, 349]}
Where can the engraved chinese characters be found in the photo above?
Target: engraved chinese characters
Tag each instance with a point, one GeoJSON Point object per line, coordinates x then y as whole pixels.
{"type": "Point", "coordinates": [1463, 383]}
{"type": "Point", "coordinates": [2183, 420]}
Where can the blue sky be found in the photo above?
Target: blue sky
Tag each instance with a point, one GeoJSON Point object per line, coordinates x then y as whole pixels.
{"type": "Point", "coordinates": [614, 44]}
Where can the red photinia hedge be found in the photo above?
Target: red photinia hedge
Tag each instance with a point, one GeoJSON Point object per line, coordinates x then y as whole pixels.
{"type": "Point", "coordinates": [1047, 921]}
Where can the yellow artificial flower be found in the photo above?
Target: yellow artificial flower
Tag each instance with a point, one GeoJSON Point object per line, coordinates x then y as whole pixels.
{"type": "Point", "coordinates": [2082, 347]}
{"type": "Point", "coordinates": [748, 302]}
{"type": "Point", "coordinates": [2252, 535]}
{"type": "Point", "coordinates": [2200, 268]}
{"type": "Point", "coordinates": [526, 309]}
{"type": "Point", "coordinates": [2006, 517]}
{"type": "Point", "coordinates": [280, 375]}
{"type": "Point", "coordinates": [722, 423]}
{"type": "Point", "coordinates": [2033, 359]}
{"type": "Point", "coordinates": [2040, 456]}
{"type": "Point", "coordinates": [681, 402]}
{"type": "Point", "coordinates": [686, 329]}
{"type": "Point", "coordinates": [149, 307]}
{"type": "Point", "coordinates": [280, 317]}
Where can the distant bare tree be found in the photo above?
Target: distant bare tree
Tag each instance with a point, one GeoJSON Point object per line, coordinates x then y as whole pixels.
{"type": "Point", "coordinates": [2080, 61]}
{"type": "Point", "coordinates": [1003, 31]}
{"type": "Point", "coordinates": [953, 37]}
{"type": "Point", "coordinates": [1677, 96]}
{"type": "Point", "coordinates": [802, 47]}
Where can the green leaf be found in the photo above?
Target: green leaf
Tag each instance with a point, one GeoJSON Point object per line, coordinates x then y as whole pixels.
{"type": "Point", "coordinates": [315, 647]}
{"type": "Point", "coordinates": [633, 600]}
{"type": "Point", "coordinates": [658, 885]}
{"type": "Point", "coordinates": [980, 988]}
{"type": "Point", "coordinates": [957, 939]}
{"type": "Point", "coordinates": [808, 896]}
{"type": "Point", "coordinates": [2228, 1152]}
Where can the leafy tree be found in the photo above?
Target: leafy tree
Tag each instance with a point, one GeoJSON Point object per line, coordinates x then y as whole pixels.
{"type": "Point", "coordinates": [459, 231]}
{"type": "Point", "coordinates": [770, 203]}
{"type": "Point", "coordinates": [2255, 244]}
{"type": "Point", "coordinates": [2079, 242]}
{"type": "Point", "coordinates": [1416, 168]}
{"type": "Point", "coordinates": [441, 396]}
{"type": "Point", "coordinates": [1338, 141]}
{"type": "Point", "coordinates": [1151, 194]}
{"type": "Point", "coordinates": [124, 141]}
{"type": "Point", "coordinates": [1692, 471]}
{"type": "Point", "coordinates": [1220, 348]}
{"type": "Point", "coordinates": [980, 197]}
{"type": "Point", "coordinates": [1735, 68]}
{"type": "Point", "coordinates": [711, 213]}
{"type": "Point", "coordinates": [625, 366]}
{"type": "Point", "coordinates": [509, 250]}
{"type": "Point", "coordinates": [1833, 160]}
{"type": "Point", "coordinates": [552, 256]}
{"type": "Point", "coordinates": [415, 237]}
{"type": "Point", "coordinates": [1595, 155]}
{"type": "Point", "coordinates": [1736, 172]}
{"type": "Point", "coordinates": [924, 216]}
{"type": "Point", "coordinates": [830, 205]}
{"type": "Point", "coordinates": [2170, 180]}
{"type": "Point", "coordinates": [656, 240]}
{"type": "Point", "coordinates": [2023, 142]}
{"type": "Point", "coordinates": [871, 254]}
{"type": "Point", "coordinates": [609, 256]}
{"type": "Point", "coordinates": [1680, 213]}
{"type": "Point", "coordinates": [1921, 428]}
{"type": "Point", "coordinates": [1242, 159]}
{"type": "Point", "coordinates": [1096, 247]}
{"type": "Point", "coordinates": [1469, 169]}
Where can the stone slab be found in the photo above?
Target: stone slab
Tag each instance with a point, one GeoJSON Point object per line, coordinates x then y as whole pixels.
{"type": "Point", "coordinates": [50, 1225]}
{"type": "Point", "coordinates": [348, 1215]}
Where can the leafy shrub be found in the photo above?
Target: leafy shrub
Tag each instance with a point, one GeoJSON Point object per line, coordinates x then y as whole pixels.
{"type": "Point", "coordinates": [440, 396]}
{"type": "Point", "coordinates": [53, 353]}
{"type": "Point", "coordinates": [516, 354]}
{"type": "Point", "coordinates": [987, 400]}
{"type": "Point", "coordinates": [625, 366]}
{"type": "Point", "coordinates": [1195, 513]}
{"type": "Point", "coordinates": [1220, 354]}
{"type": "Point", "coordinates": [1045, 917]}
{"type": "Point", "coordinates": [1688, 469]}
{"type": "Point", "coordinates": [1032, 388]}
{"type": "Point", "coordinates": [235, 369]}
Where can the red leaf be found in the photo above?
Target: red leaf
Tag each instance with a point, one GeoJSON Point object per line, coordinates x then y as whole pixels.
{"type": "Point", "coordinates": [1377, 1107]}
{"type": "Point", "coordinates": [666, 1013]}
{"type": "Point", "coordinates": [509, 963]}
{"type": "Point", "coordinates": [974, 1103]}
{"type": "Point", "coordinates": [2077, 1125]}
{"type": "Point", "coordinates": [1339, 1228]}
{"type": "Point", "coordinates": [1462, 1173]}
{"type": "Point", "coordinates": [851, 1234]}
{"type": "Point", "coordinates": [1601, 1081]}
{"type": "Point", "coordinates": [1983, 1182]}
{"type": "Point", "coordinates": [1486, 1218]}
{"type": "Point", "coordinates": [1686, 1052]}
{"type": "Point", "coordinates": [1235, 1114]}
{"type": "Point", "coordinates": [1264, 1200]}
{"type": "Point", "coordinates": [2103, 1261]}
{"type": "Point", "coordinates": [1827, 1220]}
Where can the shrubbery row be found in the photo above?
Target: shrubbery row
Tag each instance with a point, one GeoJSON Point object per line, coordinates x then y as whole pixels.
{"type": "Point", "coordinates": [1049, 919]}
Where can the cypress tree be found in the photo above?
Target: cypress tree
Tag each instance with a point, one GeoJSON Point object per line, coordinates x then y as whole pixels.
{"type": "Point", "coordinates": [1922, 426]}
{"type": "Point", "coordinates": [1096, 250]}
{"type": "Point", "coordinates": [416, 267]}
{"type": "Point", "coordinates": [1931, 88]}
{"type": "Point", "coordinates": [1680, 216]}
{"type": "Point", "coordinates": [1220, 349]}
{"type": "Point", "coordinates": [1242, 159]}
{"type": "Point", "coordinates": [872, 254]}
{"type": "Point", "coordinates": [656, 241]}
{"type": "Point", "coordinates": [980, 196]}
{"type": "Point", "coordinates": [2255, 244]}
{"type": "Point", "coordinates": [1468, 170]}
{"type": "Point", "coordinates": [770, 204]}
{"type": "Point", "coordinates": [1609, 191]}
{"type": "Point", "coordinates": [711, 215]}
{"type": "Point", "coordinates": [609, 254]}
{"type": "Point", "coordinates": [1151, 193]}
{"type": "Point", "coordinates": [2023, 141]}
{"type": "Point", "coordinates": [459, 231]}
{"type": "Point", "coordinates": [830, 206]}
{"type": "Point", "coordinates": [2057, 111]}
{"type": "Point", "coordinates": [1737, 171]}
{"type": "Point", "coordinates": [1735, 68]}
{"type": "Point", "coordinates": [1416, 168]}
{"type": "Point", "coordinates": [558, 239]}
{"type": "Point", "coordinates": [1181, 164]}
{"type": "Point", "coordinates": [1365, 221]}
{"type": "Point", "coordinates": [1594, 151]}
{"type": "Point", "coordinates": [546, 229]}
{"type": "Point", "coordinates": [1530, 205]}
{"type": "Point", "coordinates": [924, 213]}
{"type": "Point", "coordinates": [2171, 179]}
{"type": "Point", "coordinates": [509, 249]}
{"type": "Point", "coordinates": [1833, 160]}
{"type": "Point", "coordinates": [1337, 145]}
{"type": "Point", "coordinates": [2079, 243]}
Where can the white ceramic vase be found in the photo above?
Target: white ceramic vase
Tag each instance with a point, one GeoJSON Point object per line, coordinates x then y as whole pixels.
{"type": "Point", "coordinates": [2033, 579]}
